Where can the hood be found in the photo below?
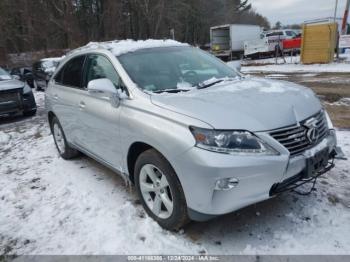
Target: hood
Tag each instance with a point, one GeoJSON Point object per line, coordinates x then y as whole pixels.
{"type": "Point", "coordinates": [253, 104]}
{"type": "Point", "coordinates": [10, 84]}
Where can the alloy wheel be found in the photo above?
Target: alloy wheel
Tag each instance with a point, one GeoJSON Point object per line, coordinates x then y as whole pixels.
{"type": "Point", "coordinates": [58, 135]}
{"type": "Point", "coordinates": [156, 191]}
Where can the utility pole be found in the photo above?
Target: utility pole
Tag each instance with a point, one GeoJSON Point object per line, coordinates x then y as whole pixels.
{"type": "Point", "coordinates": [335, 21]}
{"type": "Point", "coordinates": [345, 18]}
{"type": "Point", "coordinates": [172, 33]}
{"type": "Point", "coordinates": [335, 10]}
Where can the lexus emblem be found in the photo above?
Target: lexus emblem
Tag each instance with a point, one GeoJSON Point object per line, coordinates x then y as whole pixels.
{"type": "Point", "coordinates": [312, 134]}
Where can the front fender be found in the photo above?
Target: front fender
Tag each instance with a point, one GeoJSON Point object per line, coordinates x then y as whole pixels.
{"type": "Point", "coordinates": [168, 132]}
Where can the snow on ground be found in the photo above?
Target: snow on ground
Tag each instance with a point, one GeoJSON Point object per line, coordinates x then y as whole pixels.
{"type": "Point", "coordinates": [272, 60]}
{"type": "Point", "coordinates": [297, 68]}
{"type": "Point", "coordinates": [346, 55]}
{"type": "Point", "coordinates": [342, 102]}
{"type": "Point", "coordinates": [292, 65]}
{"type": "Point", "coordinates": [52, 206]}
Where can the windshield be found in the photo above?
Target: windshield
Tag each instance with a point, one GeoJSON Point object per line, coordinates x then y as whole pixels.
{"type": "Point", "coordinates": [290, 33]}
{"type": "Point", "coordinates": [168, 68]}
{"type": "Point", "coordinates": [4, 75]}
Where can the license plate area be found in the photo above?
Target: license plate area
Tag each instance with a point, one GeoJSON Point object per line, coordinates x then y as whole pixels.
{"type": "Point", "coordinates": [317, 163]}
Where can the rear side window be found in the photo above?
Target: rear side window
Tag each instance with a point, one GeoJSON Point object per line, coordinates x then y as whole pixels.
{"type": "Point", "coordinates": [71, 73]}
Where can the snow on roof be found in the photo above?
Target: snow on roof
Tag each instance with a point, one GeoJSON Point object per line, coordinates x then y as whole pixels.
{"type": "Point", "coordinates": [119, 47]}
{"type": "Point", "coordinates": [54, 59]}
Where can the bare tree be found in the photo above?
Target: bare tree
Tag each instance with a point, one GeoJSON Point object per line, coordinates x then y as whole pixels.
{"type": "Point", "coordinates": [47, 24]}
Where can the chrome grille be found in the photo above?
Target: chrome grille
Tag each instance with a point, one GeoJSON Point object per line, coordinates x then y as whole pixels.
{"type": "Point", "coordinates": [295, 138]}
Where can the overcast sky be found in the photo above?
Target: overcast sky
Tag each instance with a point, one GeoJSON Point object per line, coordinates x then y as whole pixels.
{"type": "Point", "coordinates": [297, 11]}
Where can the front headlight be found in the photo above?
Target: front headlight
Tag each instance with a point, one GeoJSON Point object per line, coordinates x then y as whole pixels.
{"type": "Point", "coordinates": [231, 142]}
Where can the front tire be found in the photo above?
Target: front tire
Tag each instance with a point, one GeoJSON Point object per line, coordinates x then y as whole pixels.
{"type": "Point", "coordinates": [65, 151]}
{"type": "Point", "coordinates": [160, 191]}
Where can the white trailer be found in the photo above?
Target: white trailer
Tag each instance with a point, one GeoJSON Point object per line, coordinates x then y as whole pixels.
{"type": "Point", "coordinates": [227, 41]}
{"type": "Point", "coordinates": [269, 44]}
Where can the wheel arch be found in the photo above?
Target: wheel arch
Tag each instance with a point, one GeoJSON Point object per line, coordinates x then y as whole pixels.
{"type": "Point", "coordinates": [134, 151]}
{"type": "Point", "coordinates": [50, 116]}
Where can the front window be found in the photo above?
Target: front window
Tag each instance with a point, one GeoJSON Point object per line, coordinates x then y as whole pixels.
{"type": "Point", "coordinates": [4, 75]}
{"type": "Point", "coordinates": [279, 33]}
{"type": "Point", "coordinates": [165, 68]}
{"type": "Point", "coordinates": [98, 67]}
{"type": "Point", "coordinates": [290, 33]}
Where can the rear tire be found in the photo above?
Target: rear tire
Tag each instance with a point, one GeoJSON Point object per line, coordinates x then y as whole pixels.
{"type": "Point", "coordinates": [65, 151]}
{"type": "Point", "coordinates": [171, 213]}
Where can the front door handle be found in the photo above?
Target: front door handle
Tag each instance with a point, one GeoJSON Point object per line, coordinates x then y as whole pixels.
{"type": "Point", "coordinates": [82, 105]}
{"type": "Point", "coordinates": [55, 97]}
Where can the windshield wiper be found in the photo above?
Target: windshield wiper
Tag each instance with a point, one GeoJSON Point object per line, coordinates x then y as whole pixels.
{"type": "Point", "coordinates": [173, 91]}
{"type": "Point", "coordinates": [212, 82]}
{"type": "Point", "coordinates": [203, 86]}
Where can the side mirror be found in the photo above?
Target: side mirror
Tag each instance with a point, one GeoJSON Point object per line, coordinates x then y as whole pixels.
{"type": "Point", "coordinates": [106, 88]}
{"type": "Point", "coordinates": [235, 65]}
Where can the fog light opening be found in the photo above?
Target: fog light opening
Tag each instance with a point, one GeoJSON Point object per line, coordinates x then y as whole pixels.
{"type": "Point", "coordinates": [226, 183]}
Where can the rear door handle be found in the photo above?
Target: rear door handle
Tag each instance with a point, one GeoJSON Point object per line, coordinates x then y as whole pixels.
{"type": "Point", "coordinates": [82, 105]}
{"type": "Point", "coordinates": [55, 96]}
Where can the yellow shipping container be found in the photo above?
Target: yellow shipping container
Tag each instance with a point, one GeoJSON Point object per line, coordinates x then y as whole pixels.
{"type": "Point", "coordinates": [319, 43]}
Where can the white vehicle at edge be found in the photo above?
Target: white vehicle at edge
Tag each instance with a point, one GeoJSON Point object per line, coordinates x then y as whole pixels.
{"type": "Point", "coordinates": [270, 42]}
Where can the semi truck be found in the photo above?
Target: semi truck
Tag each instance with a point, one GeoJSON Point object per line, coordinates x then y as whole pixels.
{"type": "Point", "coordinates": [227, 41]}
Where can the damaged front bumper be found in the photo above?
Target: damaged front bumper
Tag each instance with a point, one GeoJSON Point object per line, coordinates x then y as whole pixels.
{"type": "Point", "coordinates": [252, 179]}
{"type": "Point", "coordinates": [316, 166]}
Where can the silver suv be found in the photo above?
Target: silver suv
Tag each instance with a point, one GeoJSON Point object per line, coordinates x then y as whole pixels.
{"type": "Point", "coordinates": [196, 138]}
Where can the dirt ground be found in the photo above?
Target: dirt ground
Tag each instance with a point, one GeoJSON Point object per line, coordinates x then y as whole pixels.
{"type": "Point", "coordinates": [332, 88]}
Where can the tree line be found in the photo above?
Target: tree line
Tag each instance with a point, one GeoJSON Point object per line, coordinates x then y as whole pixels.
{"type": "Point", "coordinates": [31, 25]}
